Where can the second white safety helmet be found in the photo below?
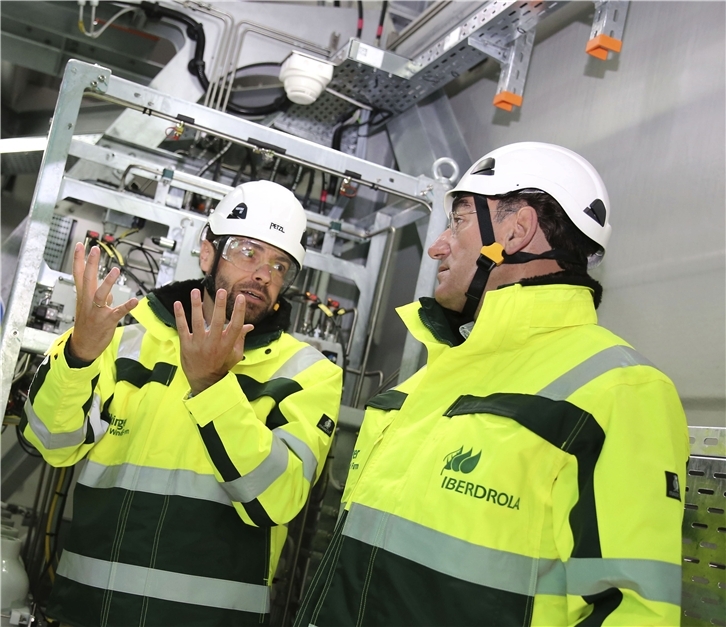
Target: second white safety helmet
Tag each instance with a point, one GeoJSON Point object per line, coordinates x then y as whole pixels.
{"type": "Point", "coordinates": [264, 211]}
{"type": "Point", "coordinates": [566, 176]}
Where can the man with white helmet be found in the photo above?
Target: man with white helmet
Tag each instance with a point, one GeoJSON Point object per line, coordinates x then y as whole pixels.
{"type": "Point", "coordinates": [203, 427]}
{"type": "Point", "coordinates": [530, 473]}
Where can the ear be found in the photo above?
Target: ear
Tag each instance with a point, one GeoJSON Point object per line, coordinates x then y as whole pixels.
{"type": "Point", "coordinates": [206, 256]}
{"type": "Point", "coordinates": [523, 229]}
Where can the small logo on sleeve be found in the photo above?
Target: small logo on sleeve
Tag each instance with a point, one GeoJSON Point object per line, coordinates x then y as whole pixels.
{"type": "Point", "coordinates": [326, 425]}
{"type": "Point", "coordinates": [673, 487]}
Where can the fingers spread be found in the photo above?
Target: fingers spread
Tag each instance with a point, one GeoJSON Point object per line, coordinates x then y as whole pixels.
{"type": "Point", "coordinates": [219, 315]}
{"type": "Point", "coordinates": [197, 313]}
{"type": "Point", "coordinates": [79, 265]}
{"type": "Point", "coordinates": [236, 322]}
{"type": "Point", "coordinates": [90, 273]}
{"type": "Point", "coordinates": [181, 321]}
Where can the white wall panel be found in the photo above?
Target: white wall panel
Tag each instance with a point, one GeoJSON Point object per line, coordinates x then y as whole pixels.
{"type": "Point", "coordinates": [651, 120]}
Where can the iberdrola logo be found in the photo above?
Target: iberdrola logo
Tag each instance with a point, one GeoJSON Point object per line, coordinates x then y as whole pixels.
{"type": "Point", "coordinates": [458, 461]}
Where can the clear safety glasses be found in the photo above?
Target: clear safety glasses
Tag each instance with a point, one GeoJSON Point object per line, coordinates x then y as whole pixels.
{"type": "Point", "coordinates": [250, 255]}
{"type": "Point", "coordinates": [455, 220]}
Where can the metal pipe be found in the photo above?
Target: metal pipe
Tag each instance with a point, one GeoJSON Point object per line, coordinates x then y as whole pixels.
{"type": "Point", "coordinates": [223, 47]}
{"type": "Point", "coordinates": [376, 186]}
{"type": "Point", "coordinates": [434, 9]}
{"type": "Point", "coordinates": [130, 168]}
{"type": "Point", "coordinates": [375, 311]}
{"type": "Point", "coordinates": [34, 510]}
{"type": "Point", "coordinates": [370, 373]}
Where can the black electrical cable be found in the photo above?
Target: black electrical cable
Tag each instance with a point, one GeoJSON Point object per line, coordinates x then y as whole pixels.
{"type": "Point", "coordinates": [195, 32]}
{"type": "Point", "coordinates": [153, 266]}
{"type": "Point", "coordinates": [379, 30]}
{"type": "Point", "coordinates": [243, 163]}
{"type": "Point", "coordinates": [27, 447]}
{"type": "Point", "coordinates": [308, 192]}
{"type": "Point", "coordinates": [131, 275]}
{"type": "Point", "coordinates": [359, 32]}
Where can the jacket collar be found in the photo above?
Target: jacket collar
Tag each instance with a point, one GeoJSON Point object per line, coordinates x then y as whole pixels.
{"type": "Point", "coordinates": [509, 317]}
{"type": "Point", "coordinates": [158, 306]}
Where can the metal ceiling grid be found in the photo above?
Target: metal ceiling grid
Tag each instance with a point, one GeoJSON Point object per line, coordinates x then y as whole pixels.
{"type": "Point", "coordinates": [387, 82]}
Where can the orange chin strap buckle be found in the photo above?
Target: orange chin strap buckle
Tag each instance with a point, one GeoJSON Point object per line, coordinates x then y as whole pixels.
{"type": "Point", "coordinates": [600, 45]}
{"type": "Point", "coordinates": [495, 252]}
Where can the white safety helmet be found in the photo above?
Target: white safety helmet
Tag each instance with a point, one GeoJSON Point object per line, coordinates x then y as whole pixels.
{"type": "Point", "coordinates": [571, 180]}
{"type": "Point", "coordinates": [264, 211]}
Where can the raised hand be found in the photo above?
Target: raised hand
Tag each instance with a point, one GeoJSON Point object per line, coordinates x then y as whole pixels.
{"type": "Point", "coordinates": [96, 317]}
{"type": "Point", "coordinates": [207, 355]}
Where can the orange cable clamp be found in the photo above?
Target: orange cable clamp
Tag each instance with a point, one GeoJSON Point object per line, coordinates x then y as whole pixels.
{"type": "Point", "coordinates": [507, 100]}
{"type": "Point", "coordinates": [599, 46]}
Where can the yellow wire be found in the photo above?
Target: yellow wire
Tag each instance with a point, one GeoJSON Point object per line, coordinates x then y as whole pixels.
{"type": "Point", "coordinates": [118, 255]}
{"type": "Point", "coordinates": [128, 232]}
{"type": "Point", "coordinates": [112, 252]}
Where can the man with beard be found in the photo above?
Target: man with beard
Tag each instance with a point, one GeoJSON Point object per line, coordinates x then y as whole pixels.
{"type": "Point", "coordinates": [531, 473]}
{"type": "Point", "coordinates": [202, 428]}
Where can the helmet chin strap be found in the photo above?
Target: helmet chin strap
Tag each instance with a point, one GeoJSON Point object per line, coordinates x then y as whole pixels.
{"type": "Point", "coordinates": [208, 282]}
{"type": "Point", "coordinates": [492, 255]}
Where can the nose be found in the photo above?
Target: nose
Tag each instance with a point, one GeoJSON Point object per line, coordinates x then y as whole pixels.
{"type": "Point", "coordinates": [440, 248]}
{"type": "Point", "coordinates": [263, 274]}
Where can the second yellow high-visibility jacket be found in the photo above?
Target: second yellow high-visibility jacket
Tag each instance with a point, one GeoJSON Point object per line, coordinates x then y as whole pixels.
{"type": "Point", "coordinates": [529, 475]}
{"type": "Point", "coordinates": [181, 503]}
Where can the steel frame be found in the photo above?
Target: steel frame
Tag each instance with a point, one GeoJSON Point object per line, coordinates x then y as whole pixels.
{"type": "Point", "coordinates": [53, 184]}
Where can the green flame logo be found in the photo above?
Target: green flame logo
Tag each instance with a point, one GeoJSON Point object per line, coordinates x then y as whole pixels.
{"type": "Point", "coordinates": [458, 461]}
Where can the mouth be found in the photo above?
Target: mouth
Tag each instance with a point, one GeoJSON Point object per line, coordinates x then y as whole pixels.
{"type": "Point", "coordinates": [253, 296]}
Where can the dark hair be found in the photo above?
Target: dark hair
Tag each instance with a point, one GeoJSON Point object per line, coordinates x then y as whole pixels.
{"type": "Point", "coordinates": [560, 232]}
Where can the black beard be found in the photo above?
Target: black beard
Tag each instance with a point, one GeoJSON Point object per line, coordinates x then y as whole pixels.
{"type": "Point", "coordinates": [251, 317]}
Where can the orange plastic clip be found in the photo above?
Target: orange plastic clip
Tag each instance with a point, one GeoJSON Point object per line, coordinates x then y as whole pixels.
{"type": "Point", "coordinates": [507, 100]}
{"type": "Point", "coordinates": [599, 46]}
{"type": "Point", "coordinates": [494, 251]}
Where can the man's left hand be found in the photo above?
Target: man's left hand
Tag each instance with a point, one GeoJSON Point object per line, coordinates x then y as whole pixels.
{"type": "Point", "coordinates": [207, 355]}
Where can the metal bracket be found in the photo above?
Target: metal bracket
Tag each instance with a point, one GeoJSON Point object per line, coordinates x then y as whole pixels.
{"type": "Point", "coordinates": [607, 28]}
{"type": "Point", "coordinates": [514, 72]}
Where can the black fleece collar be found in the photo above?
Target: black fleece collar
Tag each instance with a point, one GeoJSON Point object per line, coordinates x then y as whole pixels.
{"type": "Point", "coordinates": [161, 302]}
{"type": "Point", "coordinates": [444, 323]}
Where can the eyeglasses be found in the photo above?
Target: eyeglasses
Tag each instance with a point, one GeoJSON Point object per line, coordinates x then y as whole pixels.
{"type": "Point", "coordinates": [455, 220]}
{"type": "Point", "coordinates": [250, 255]}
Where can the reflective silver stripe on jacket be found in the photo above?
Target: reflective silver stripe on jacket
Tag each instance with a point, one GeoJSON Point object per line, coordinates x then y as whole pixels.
{"type": "Point", "coordinates": [652, 580]}
{"type": "Point", "coordinates": [165, 585]}
{"type": "Point", "coordinates": [299, 362]}
{"type": "Point", "coordinates": [600, 363]}
{"type": "Point", "coordinates": [53, 440]}
{"type": "Point", "coordinates": [130, 344]}
{"type": "Point", "coordinates": [159, 481]}
{"type": "Point", "coordinates": [502, 570]}
{"type": "Point", "coordinates": [255, 482]}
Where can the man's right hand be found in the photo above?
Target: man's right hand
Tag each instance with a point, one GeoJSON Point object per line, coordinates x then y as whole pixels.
{"type": "Point", "coordinates": [96, 318]}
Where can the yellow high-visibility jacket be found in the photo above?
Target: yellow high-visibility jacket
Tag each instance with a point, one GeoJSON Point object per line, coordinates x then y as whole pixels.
{"type": "Point", "coordinates": [180, 508]}
{"type": "Point", "coordinates": [527, 476]}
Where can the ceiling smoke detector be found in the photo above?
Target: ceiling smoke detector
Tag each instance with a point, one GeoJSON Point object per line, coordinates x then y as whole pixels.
{"type": "Point", "coordinates": [305, 77]}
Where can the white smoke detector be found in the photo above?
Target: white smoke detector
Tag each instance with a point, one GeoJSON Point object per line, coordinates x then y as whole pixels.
{"type": "Point", "coordinates": [305, 77]}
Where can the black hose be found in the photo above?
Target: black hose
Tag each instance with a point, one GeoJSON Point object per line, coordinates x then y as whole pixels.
{"type": "Point", "coordinates": [359, 32]}
{"type": "Point", "coordinates": [195, 32]}
{"type": "Point", "coordinates": [379, 30]}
